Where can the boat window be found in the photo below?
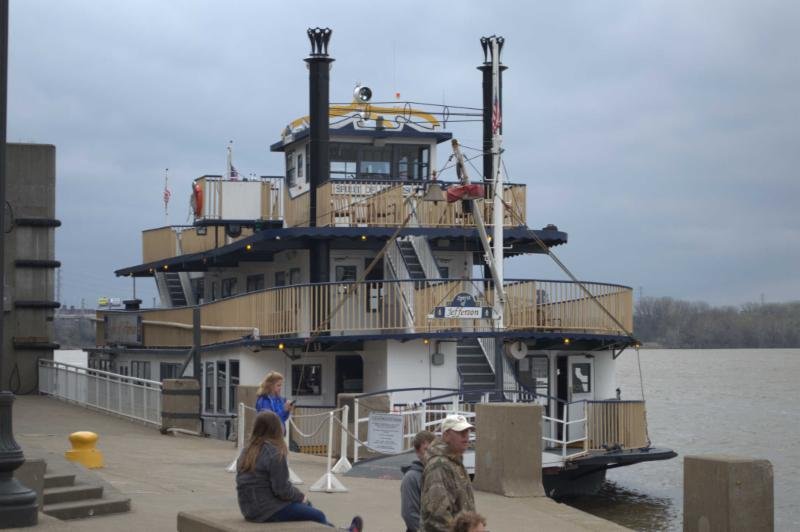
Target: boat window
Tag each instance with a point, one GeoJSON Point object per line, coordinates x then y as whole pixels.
{"type": "Point", "coordinates": [581, 378]}
{"type": "Point", "coordinates": [169, 370]}
{"type": "Point", "coordinates": [306, 379]}
{"type": "Point", "coordinates": [300, 168]}
{"type": "Point", "coordinates": [344, 160]}
{"type": "Point", "coordinates": [280, 279]}
{"type": "Point", "coordinates": [233, 375]}
{"type": "Point", "coordinates": [221, 379]}
{"type": "Point", "coordinates": [424, 162]}
{"type": "Point", "coordinates": [534, 374]}
{"type": "Point", "coordinates": [345, 274]}
{"type": "Point", "coordinates": [290, 174]}
{"type": "Point", "coordinates": [294, 276]}
{"type": "Point", "coordinates": [255, 282]}
{"type": "Point", "coordinates": [198, 285]}
{"type": "Point", "coordinates": [365, 161]}
{"type": "Point", "coordinates": [140, 369]}
{"type": "Point", "coordinates": [208, 380]}
{"type": "Point", "coordinates": [376, 163]}
{"type": "Point", "coordinates": [412, 161]}
{"type": "Point", "coordinates": [228, 287]}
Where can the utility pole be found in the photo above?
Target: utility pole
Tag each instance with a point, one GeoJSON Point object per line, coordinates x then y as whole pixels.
{"type": "Point", "coordinates": [17, 503]}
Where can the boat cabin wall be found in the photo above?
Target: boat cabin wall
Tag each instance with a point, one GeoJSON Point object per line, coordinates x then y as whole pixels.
{"type": "Point", "coordinates": [411, 365]}
{"type": "Point", "coordinates": [288, 267]}
{"type": "Point", "coordinates": [455, 264]}
{"type": "Point", "coordinates": [154, 367]}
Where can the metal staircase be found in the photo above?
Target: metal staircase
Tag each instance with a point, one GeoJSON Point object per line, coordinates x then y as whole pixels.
{"type": "Point", "coordinates": [409, 256]}
{"type": "Point", "coordinates": [174, 286]}
{"type": "Point", "coordinates": [474, 369]}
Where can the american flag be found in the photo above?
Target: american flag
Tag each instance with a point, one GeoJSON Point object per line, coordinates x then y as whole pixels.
{"type": "Point", "coordinates": [167, 195]}
{"type": "Point", "coordinates": [497, 118]}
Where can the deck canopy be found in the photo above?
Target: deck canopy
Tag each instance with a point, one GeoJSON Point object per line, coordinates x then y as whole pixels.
{"type": "Point", "coordinates": [262, 246]}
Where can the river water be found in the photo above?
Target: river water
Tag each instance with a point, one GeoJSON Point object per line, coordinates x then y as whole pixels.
{"type": "Point", "coordinates": [744, 402]}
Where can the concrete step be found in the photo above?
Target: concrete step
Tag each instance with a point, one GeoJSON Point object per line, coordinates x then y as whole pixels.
{"type": "Point", "coordinates": [469, 350]}
{"type": "Point", "coordinates": [87, 508]}
{"type": "Point", "coordinates": [57, 480]}
{"type": "Point", "coordinates": [72, 493]}
{"type": "Point", "coordinates": [476, 380]}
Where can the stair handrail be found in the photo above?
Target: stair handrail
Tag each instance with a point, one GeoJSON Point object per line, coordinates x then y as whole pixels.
{"type": "Point", "coordinates": [399, 270]}
{"type": "Point", "coordinates": [487, 345]}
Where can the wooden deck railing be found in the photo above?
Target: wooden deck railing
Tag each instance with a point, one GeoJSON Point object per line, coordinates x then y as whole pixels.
{"type": "Point", "coordinates": [167, 242]}
{"type": "Point", "coordinates": [610, 423]}
{"type": "Point", "coordinates": [381, 307]}
{"type": "Point", "coordinates": [350, 203]}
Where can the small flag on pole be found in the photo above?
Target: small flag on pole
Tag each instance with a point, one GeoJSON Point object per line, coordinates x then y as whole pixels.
{"type": "Point", "coordinates": [497, 119]}
{"type": "Point", "coordinates": [167, 194]}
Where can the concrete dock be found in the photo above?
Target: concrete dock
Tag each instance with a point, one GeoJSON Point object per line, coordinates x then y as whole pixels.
{"type": "Point", "coordinates": [166, 474]}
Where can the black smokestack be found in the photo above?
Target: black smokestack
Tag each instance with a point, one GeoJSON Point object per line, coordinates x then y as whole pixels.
{"type": "Point", "coordinates": [486, 70]}
{"type": "Point", "coordinates": [318, 105]}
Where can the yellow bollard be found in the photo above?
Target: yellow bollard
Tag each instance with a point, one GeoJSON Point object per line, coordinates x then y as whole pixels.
{"type": "Point", "coordinates": [83, 450]}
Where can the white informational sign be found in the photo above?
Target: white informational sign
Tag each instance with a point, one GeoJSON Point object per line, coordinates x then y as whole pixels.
{"type": "Point", "coordinates": [385, 433]}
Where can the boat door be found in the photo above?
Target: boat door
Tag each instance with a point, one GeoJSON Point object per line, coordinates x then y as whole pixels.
{"type": "Point", "coordinates": [580, 379]}
{"type": "Point", "coordinates": [347, 309]}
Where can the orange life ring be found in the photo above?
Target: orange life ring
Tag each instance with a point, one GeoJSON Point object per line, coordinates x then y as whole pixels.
{"type": "Point", "coordinates": [197, 200]}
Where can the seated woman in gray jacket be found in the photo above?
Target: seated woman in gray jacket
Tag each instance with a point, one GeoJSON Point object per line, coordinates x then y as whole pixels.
{"type": "Point", "coordinates": [262, 479]}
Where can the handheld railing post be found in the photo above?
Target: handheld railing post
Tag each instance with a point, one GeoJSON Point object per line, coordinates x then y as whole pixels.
{"type": "Point", "coordinates": [355, 430]}
{"type": "Point", "coordinates": [343, 465]}
{"type": "Point", "coordinates": [240, 432]}
{"type": "Point", "coordinates": [565, 432]}
{"type": "Point", "coordinates": [328, 482]}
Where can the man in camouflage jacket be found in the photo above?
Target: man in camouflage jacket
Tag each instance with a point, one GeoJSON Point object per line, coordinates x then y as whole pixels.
{"type": "Point", "coordinates": [446, 488]}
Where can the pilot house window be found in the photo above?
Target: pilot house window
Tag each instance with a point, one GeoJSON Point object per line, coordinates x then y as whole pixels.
{"type": "Point", "coordinates": [366, 161]}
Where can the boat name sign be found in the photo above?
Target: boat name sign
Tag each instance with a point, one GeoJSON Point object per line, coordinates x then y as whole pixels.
{"type": "Point", "coordinates": [463, 307]}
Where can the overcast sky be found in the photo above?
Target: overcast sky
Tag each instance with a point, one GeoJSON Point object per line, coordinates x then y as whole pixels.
{"type": "Point", "coordinates": [661, 136]}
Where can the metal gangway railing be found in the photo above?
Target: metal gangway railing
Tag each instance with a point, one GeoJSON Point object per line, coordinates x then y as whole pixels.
{"type": "Point", "coordinates": [428, 414]}
{"type": "Point", "coordinates": [129, 397]}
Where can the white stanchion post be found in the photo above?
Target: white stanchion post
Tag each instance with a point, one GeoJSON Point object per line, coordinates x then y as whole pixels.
{"type": "Point", "coordinates": [328, 482]}
{"type": "Point", "coordinates": [293, 477]}
{"type": "Point", "coordinates": [455, 404]}
{"type": "Point", "coordinates": [355, 431]}
{"type": "Point", "coordinates": [343, 465]}
{"type": "Point", "coordinates": [240, 436]}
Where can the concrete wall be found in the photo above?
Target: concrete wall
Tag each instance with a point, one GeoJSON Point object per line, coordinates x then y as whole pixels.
{"type": "Point", "coordinates": [727, 493]}
{"type": "Point", "coordinates": [30, 192]}
{"type": "Point", "coordinates": [508, 449]}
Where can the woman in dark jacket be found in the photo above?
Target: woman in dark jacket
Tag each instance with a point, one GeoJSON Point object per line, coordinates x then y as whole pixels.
{"type": "Point", "coordinates": [262, 479]}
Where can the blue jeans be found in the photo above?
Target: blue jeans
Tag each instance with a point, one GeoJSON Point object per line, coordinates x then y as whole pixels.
{"type": "Point", "coordinates": [297, 511]}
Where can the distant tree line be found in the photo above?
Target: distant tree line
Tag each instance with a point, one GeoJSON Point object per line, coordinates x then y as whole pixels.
{"type": "Point", "coordinates": [668, 322]}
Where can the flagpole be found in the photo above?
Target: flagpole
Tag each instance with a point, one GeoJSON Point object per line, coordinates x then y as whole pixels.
{"type": "Point", "coordinates": [166, 196]}
{"type": "Point", "coordinates": [497, 185]}
{"type": "Point", "coordinates": [229, 171]}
